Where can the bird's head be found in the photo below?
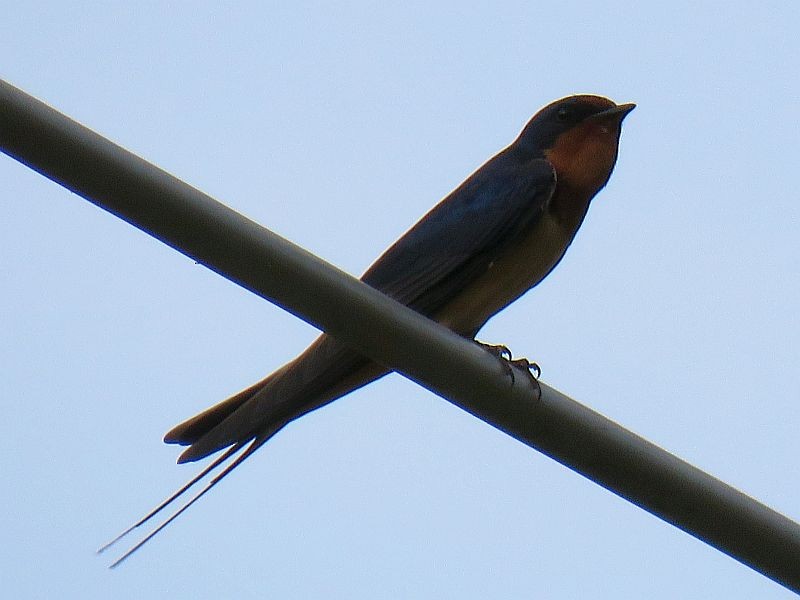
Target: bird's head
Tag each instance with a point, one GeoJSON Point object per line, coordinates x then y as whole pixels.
{"type": "Point", "coordinates": [579, 136]}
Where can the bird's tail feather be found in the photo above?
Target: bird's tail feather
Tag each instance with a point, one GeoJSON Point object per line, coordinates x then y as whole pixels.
{"type": "Point", "coordinates": [251, 447]}
{"type": "Point", "coordinates": [191, 430]}
{"type": "Point", "coordinates": [244, 422]}
{"type": "Point", "coordinates": [325, 371]}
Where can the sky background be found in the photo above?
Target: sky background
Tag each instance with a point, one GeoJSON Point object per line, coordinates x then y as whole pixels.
{"type": "Point", "coordinates": [675, 312]}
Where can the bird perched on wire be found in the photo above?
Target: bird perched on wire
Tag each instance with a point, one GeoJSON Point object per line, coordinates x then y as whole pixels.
{"type": "Point", "coordinates": [493, 238]}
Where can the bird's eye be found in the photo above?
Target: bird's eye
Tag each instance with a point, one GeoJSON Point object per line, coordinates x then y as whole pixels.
{"type": "Point", "coordinates": [563, 114]}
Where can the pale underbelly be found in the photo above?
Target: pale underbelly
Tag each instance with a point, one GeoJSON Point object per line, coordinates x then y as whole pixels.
{"type": "Point", "coordinates": [508, 277]}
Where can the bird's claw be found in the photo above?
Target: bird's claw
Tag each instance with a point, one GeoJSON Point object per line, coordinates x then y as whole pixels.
{"type": "Point", "coordinates": [498, 350]}
{"type": "Point", "coordinates": [531, 368]}
{"type": "Point", "coordinates": [534, 369]}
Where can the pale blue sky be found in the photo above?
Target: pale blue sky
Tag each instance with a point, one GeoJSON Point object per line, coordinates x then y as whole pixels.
{"type": "Point", "coordinates": [675, 311]}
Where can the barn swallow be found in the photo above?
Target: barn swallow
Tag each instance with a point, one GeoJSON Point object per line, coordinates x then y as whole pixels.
{"type": "Point", "coordinates": [492, 239]}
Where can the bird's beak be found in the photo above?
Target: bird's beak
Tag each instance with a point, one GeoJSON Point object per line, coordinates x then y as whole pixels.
{"type": "Point", "coordinates": [618, 111]}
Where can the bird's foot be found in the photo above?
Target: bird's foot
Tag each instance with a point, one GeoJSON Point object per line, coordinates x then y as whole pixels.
{"type": "Point", "coordinates": [531, 368]}
{"type": "Point", "coordinates": [498, 350]}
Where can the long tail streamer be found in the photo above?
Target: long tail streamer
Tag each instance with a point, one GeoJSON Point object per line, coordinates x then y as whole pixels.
{"type": "Point", "coordinates": [252, 447]}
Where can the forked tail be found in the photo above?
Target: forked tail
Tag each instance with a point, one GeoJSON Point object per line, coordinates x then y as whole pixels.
{"type": "Point", "coordinates": [250, 447]}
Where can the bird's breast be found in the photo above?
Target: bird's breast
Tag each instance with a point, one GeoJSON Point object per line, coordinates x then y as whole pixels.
{"type": "Point", "coordinates": [509, 276]}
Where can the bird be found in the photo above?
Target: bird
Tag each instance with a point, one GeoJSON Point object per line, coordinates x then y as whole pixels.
{"type": "Point", "coordinates": [496, 236]}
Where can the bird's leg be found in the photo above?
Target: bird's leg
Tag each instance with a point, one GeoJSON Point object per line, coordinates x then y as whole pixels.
{"type": "Point", "coordinates": [531, 368]}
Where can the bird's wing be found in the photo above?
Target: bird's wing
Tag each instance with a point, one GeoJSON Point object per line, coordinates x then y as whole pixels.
{"type": "Point", "coordinates": [458, 239]}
